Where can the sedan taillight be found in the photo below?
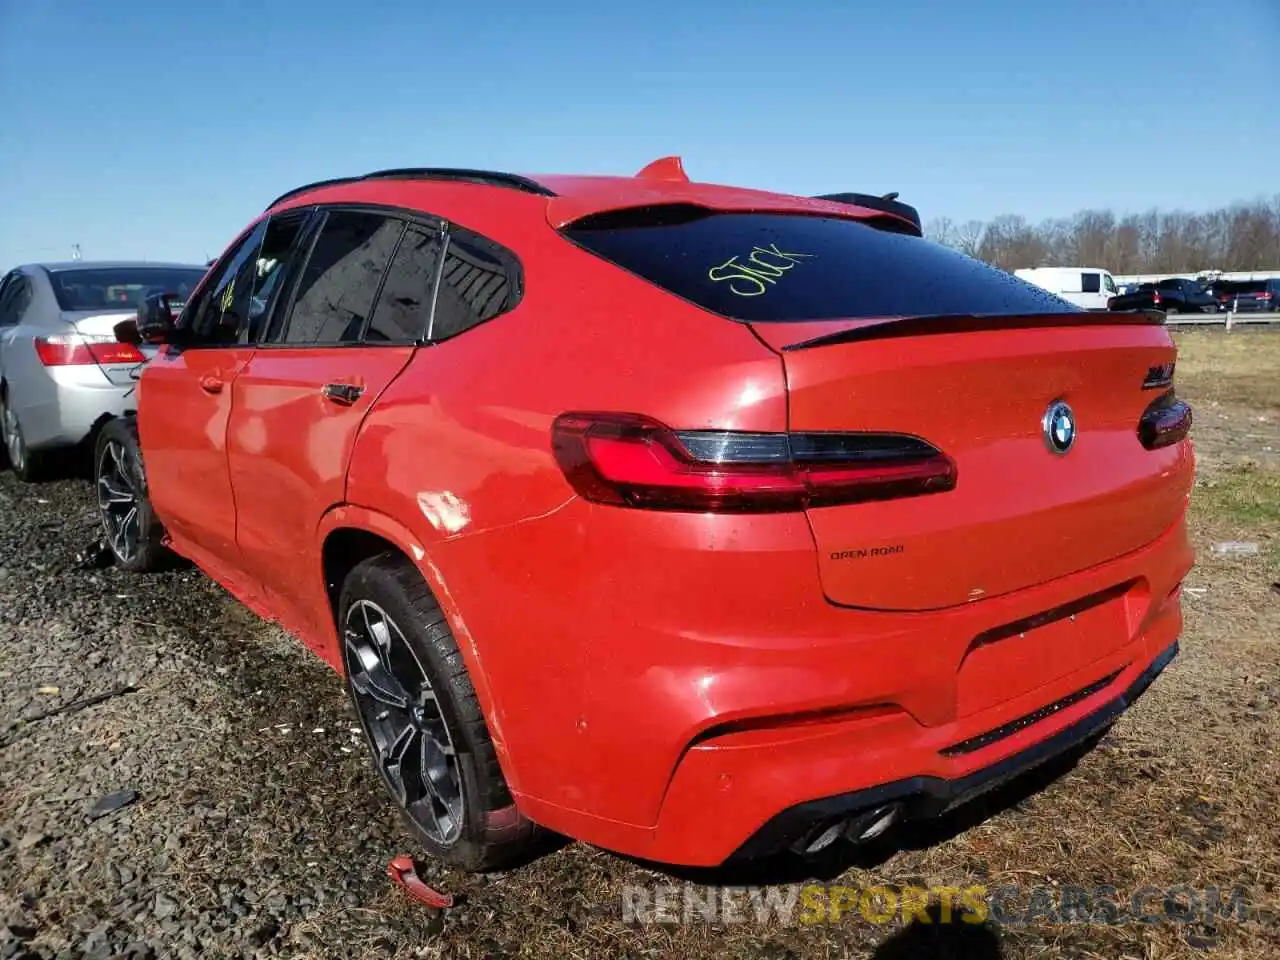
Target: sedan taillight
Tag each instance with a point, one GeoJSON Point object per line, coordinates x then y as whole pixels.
{"type": "Point", "coordinates": [635, 461]}
{"type": "Point", "coordinates": [70, 349]}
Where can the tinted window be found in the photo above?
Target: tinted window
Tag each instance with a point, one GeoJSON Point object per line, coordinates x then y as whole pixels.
{"type": "Point", "coordinates": [788, 267]}
{"type": "Point", "coordinates": [404, 306]}
{"type": "Point", "coordinates": [1090, 283]}
{"type": "Point", "coordinates": [1246, 286]}
{"type": "Point", "coordinates": [119, 288]}
{"type": "Point", "coordinates": [337, 287]}
{"type": "Point", "coordinates": [224, 303]}
{"type": "Point", "coordinates": [271, 269]}
{"type": "Point", "coordinates": [478, 282]}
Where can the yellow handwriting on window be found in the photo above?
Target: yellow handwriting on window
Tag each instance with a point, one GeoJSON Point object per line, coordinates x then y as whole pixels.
{"type": "Point", "coordinates": [762, 267]}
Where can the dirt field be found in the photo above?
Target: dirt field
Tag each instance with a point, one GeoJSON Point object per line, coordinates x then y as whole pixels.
{"type": "Point", "coordinates": [256, 827]}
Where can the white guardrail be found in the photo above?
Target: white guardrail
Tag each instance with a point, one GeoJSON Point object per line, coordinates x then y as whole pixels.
{"type": "Point", "coordinates": [1229, 320]}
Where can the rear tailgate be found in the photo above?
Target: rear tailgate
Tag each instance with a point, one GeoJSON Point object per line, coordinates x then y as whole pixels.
{"type": "Point", "coordinates": [890, 334]}
{"type": "Point", "coordinates": [1020, 514]}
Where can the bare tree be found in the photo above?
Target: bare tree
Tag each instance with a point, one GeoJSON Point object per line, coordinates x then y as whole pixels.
{"type": "Point", "coordinates": [1245, 236]}
{"type": "Point", "coordinates": [941, 230]}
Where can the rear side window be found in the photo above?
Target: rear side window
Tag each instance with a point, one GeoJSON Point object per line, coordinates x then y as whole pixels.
{"type": "Point", "coordinates": [479, 281]}
{"type": "Point", "coordinates": [1090, 283]}
{"type": "Point", "coordinates": [336, 290]}
{"type": "Point", "coordinates": [766, 267]}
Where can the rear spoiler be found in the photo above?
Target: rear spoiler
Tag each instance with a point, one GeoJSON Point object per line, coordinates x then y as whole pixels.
{"type": "Point", "coordinates": [895, 327]}
{"type": "Point", "coordinates": [889, 203]}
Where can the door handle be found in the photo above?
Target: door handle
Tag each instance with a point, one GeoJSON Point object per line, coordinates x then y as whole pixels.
{"type": "Point", "coordinates": [211, 384]}
{"type": "Point", "coordinates": [343, 393]}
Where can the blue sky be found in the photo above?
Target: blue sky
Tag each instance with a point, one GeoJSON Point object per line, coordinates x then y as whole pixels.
{"type": "Point", "coordinates": [149, 129]}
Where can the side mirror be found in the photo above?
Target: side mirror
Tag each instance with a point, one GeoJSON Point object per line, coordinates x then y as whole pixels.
{"type": "Point", "coordinates": [155, 321]}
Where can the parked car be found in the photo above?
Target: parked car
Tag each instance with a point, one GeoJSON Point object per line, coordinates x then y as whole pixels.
{"type": "Point", "coordinates": [1174, 295]}
{"type": "Point", "coordinates": [691, 521]}
{"type": "Point", "coordinates": [1088, 287]}
{"type": "Point", "coordinates": [1248, 296]}
{"type": "Point", "coordinates": [62, 372]}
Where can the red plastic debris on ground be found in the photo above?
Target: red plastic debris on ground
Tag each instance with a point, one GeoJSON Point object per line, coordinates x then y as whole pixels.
{"type": "Point", "coordinates": [403, 873]}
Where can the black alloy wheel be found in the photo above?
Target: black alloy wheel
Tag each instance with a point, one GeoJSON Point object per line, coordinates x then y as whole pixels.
{"type": "Point", "coordinates": [412, 745]}
{"type": "Point", "coordinates": [118, 501]}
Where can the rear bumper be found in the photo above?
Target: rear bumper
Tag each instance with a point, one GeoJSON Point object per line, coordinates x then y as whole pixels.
{"type": "Point", "coordinates": [773, 733]}
{"type": "Point", "coordinates": [919, 798]}
{"type": "Point", "coordinates": [64, 411]}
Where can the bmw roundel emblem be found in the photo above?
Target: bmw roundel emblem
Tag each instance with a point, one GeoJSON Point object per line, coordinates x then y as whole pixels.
{"type": "Point", "coordinates": [1059, 427]}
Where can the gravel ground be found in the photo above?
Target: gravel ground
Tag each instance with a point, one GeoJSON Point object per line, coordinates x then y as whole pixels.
{"type": "Point", "coordinates": [217, 802]}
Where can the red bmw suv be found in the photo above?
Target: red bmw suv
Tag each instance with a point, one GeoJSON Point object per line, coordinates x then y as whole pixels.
{"type": "Point", "coordinates": [690, 521]}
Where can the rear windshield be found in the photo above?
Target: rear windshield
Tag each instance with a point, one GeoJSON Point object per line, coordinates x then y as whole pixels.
{"type": "Point", "coordinates": [763, 267]}
{"type": "Point", "coordinates": [1244, 286]}
{"type": "Point", "coordinates": [120, 288]}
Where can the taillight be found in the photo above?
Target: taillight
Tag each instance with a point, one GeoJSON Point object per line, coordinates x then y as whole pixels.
{"type": "Point", "coordinates": [632, 460]}
{"type": "Point", "coordinates": [1264, 296]}
{"type": "Point", "coordinates": [1166, 421]}
{"type": "Point", "coordinates": [68, 349]}
{"type": "Point", "coordinates": [1155, 298]}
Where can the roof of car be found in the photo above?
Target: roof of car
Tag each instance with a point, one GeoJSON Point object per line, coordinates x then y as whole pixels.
{"type": "Point", "coordinates": [566, 198]}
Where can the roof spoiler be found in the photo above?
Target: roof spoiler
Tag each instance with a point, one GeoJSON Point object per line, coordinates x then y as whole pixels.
{"type": "Point", "coordinates": [887, 203]}
{"type": "Point", "coordinates": [671, 168]}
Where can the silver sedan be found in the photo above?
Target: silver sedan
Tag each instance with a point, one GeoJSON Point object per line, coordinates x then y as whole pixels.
{"type": "Point", "coordinates": [62, 373]}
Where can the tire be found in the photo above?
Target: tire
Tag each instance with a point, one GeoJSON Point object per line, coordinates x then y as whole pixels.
{"type": "Point", "coordinates": [28, 466]}
{"type": "Point", "coordinates": [135, 538]}
{"type": "Point", "coordinates": [420, 662]}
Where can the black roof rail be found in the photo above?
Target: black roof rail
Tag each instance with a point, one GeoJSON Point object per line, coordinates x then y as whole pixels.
{"type": "Point", "coordinates": [457, 174]}
{"type": "Point", "coordinates": [310, 186]}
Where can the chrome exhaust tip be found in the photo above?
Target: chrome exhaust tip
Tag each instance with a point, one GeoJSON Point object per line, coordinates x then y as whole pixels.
{"type": "Point", "coordinates": [872, 824]}
{"type": "Point", "coordinates": [820, 837]}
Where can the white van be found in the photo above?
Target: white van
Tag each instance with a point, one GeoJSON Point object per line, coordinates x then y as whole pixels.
{"type": "Point", "coordinates": [1088, 287]}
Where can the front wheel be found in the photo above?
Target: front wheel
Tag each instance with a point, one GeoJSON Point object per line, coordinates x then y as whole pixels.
{"type": "Point", "coordinates": [130, 528]}
{"type": "Point", "coordinates": [422, 721]}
